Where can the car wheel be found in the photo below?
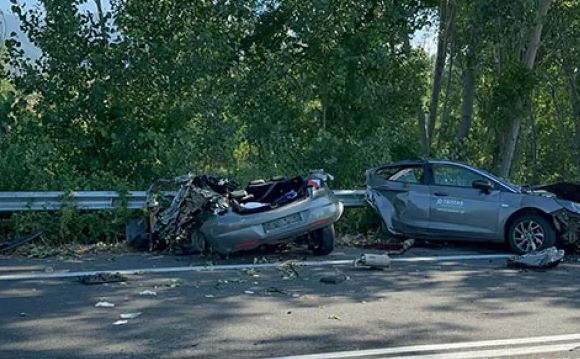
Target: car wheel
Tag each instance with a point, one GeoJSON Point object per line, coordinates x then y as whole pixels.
{"type": "Point", "coordinates": [323, 241]}
{"type": "Point", "coordinates": [530, 232]}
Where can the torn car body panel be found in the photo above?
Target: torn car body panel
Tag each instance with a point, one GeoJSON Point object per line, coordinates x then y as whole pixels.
{"type": "Point", "coordinates": [403, 206]}
{"type": "Point", "coordinates": [439, 199]}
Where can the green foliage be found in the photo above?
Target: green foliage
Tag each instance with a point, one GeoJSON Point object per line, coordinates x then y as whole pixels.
{"type": "Point", "coordinates": [252, 89]}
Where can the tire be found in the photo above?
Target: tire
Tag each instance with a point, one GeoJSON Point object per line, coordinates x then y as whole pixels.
{"type": "Point", "coordinates": [528, 226]}
{"type": "Point", "coordinates": [323, 241]}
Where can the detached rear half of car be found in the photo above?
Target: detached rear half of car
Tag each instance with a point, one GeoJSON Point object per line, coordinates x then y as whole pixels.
{"type": "Point", "coordinates": [207, 212]}
{"type": "Point", "coordinates": [257, 218]}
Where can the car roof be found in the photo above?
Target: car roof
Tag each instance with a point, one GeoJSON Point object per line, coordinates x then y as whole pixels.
{"type": "Point", "coordinates": [422, 162]}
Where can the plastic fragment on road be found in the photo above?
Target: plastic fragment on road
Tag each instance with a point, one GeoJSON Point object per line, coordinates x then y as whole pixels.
{"type": "Point", "coordinates": [104, 305]}
{"type": "Point", "coordinates": [547, 258]}
{"type": "Point", "coordinates": [121, 322]}
{"type": "Point", "coordinates": [148, 293]}
{"type": "Point", "coordinates": [373, 261]}
{"type": "Point", "coordinates": [130, 315]}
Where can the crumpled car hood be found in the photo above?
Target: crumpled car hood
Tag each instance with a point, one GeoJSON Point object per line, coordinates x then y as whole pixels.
{"type": "Point", "coordinates": [563, 190]}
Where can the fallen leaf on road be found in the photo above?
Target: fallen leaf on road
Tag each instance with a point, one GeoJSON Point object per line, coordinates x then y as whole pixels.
{"type": "Point", "coordinates": [120, 322]}
{"type": "Point", "coordinates": [130, 315]}
{"type": "Point", "coordinates": [104, 305]}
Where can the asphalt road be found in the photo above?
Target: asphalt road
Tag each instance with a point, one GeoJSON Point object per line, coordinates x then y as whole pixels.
{"type": "Point", "coordinates": [270, 313]}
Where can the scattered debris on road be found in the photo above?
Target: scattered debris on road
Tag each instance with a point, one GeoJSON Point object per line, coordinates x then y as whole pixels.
{"type": "Point", "coordinates": [334, 317]}
{"type": "Point", "coordinates": [17, 242]}
{"type": "Point", "coordinates": [373, 261]}
{"type": "Point", "coordinates": [288, 270]}
{"type": "Point", "coordinates": [547, 258]}
{"type": "Point", "coordinates": [392, 248]}
{"type": "Point", "coordinates": [130, 315]}
{"type": "Point", "coordinates": [174, 283]}
{"type": "Point", "coordinates": [104, 305]}
{"type": "Point", "coordinates": [101, 278]}
{"type": "Point", "coordinates": [276, 290]}
{"type": "Point", "coordinates": [336, 278]}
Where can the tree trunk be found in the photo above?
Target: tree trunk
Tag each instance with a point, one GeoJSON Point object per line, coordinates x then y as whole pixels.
{"type": "Point", "coordinates": [102, 23]}
{"type": "Point", "coordinates": [575, 112]}
{"type": "Point", "coordinates": [423, 130]}
{"type": "Point", "coordinates": [445, 21]}
{"type": "Point", "coordinates": [468, 93]}
{"type": "Point", "coordinates": [445, 111]}
{"type": "Point", "coordinates": [529, 59]}
{"type": "Point", "coordinates": [534, 141]}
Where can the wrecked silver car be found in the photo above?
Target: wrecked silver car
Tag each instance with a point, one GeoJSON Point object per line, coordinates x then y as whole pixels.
{"type": "Point", "coordinates": [447, 200]}
{"type": "Point", "coordinates": [209, 213]}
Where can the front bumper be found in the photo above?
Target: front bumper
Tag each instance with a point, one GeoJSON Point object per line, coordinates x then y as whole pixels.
{"type": "Point", "coordinates": [568, 225]}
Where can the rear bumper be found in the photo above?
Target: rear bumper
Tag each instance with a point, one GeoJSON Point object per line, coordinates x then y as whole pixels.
{"type": "Point", "coordinates": [233, 232]}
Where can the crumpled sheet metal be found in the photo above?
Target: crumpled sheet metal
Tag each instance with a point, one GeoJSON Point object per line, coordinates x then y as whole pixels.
{"type": "Point", "coordinates": [547, 258]}
{"type": "Point", "coordinates": [197, 196]}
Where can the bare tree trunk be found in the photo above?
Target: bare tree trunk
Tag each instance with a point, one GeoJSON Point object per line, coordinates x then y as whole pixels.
{"type": "Point", "coordinates": [533, 141]}
{"type": "Point", "coordinates": [102, 23]}
{"type": "Point", "coordinates": [468, 93]}
{"type": "Point", "coordinates": [529, 59]}
{"type": "Point", "coordinates": [445, 21]}
{"type": "Point", "coordinates": [575, 111]}
{"type": "Point", "coordinates": [557, 110]}
{"type": "Point", "coordinates": [423, 130]}
{"type": "Point", "coordinates": [445, 111]}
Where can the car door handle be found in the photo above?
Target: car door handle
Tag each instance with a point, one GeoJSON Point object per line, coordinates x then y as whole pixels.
{"type": "Point", "coordinates": [440, 194]}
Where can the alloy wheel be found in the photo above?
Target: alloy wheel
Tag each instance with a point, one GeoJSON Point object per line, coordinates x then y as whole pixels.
{"type": "Point", "coordinates": [528, 236]}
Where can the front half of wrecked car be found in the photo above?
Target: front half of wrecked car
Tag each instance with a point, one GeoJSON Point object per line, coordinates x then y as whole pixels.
{"type": "Point", "coordinates": [449, 200]}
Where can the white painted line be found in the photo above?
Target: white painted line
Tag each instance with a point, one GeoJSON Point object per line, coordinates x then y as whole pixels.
{"type": "Point", "coordinates": [439, 347]}
{"type": "Point", "coordinates": [243, 266]}
{"type": "Point", "coordinates": [466, 257]}
{"type": "Point", "coordinates": [497, 353]}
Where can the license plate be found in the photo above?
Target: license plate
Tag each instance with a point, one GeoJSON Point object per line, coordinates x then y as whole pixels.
{"type": "Point", "coordinates": [282, 222]}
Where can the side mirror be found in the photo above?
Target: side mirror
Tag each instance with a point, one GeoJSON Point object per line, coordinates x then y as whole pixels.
{"type": "Point", "coordinates": [483, 185]}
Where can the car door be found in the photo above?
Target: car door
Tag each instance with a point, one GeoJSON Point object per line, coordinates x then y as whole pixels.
{"type": "Point", "coordinates": [459, 210]}
{"type": "Point", "coordinates": [401, 197]}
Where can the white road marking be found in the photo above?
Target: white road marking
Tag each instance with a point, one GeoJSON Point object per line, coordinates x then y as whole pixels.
{"type": "Point", "coordinates": [496, 353]}
{"type": "Point", "coordinates": [455, 346]}
{"type": "Point", "coordinates": [244, 266]}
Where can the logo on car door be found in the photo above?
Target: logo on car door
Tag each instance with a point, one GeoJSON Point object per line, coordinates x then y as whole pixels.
{"type": "Point", "coordinates": [450, 205]}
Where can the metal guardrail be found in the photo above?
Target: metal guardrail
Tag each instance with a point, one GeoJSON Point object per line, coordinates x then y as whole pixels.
{"type": "Point", "coordinates": [100, 200]}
